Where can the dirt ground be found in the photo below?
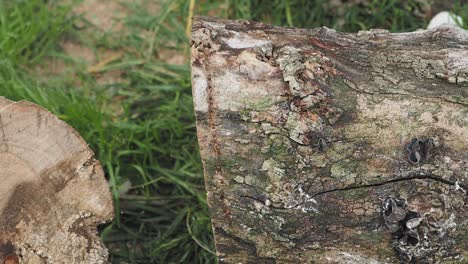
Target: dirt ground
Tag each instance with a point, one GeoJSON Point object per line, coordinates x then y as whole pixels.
{"type": "Point", "coordinates": [96, 18]}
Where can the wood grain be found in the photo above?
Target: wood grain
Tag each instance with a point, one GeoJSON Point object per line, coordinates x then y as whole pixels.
{"type": "Point", "coordinates": [53, 193]}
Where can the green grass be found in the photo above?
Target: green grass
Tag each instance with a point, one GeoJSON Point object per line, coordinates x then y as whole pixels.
{"type": "Point", "coordinates": [141, 126]}
{"type": "Point", "coordinates": [29, 28]}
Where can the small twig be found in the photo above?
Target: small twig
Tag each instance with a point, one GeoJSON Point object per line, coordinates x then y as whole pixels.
{"type": "Point", "coordinates": [188, 27]}
{"type": "Point", "coordinates": [99, 67]}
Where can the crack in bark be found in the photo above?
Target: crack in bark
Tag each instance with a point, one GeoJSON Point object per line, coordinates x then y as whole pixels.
{"type": "Point", "coordinates": [431, 177]}
{"type": "Point", "coordinates": [353, 87]}
{"type": "Point", "coordinates": [425, 176]}
{"type": "Point", "coordinates": [449, 101]}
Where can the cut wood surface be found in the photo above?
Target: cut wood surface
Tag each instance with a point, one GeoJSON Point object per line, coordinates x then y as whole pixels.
{"type": "Point", "coordinates": [53, 193]}
{"type": "Point", "coordinates": [328, 147]}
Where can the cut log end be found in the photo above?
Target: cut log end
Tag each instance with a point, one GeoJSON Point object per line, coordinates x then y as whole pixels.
{"type": "Point", "coordinates": [328, 147]}
{"type": "Point", "coordinates": [53, 193]}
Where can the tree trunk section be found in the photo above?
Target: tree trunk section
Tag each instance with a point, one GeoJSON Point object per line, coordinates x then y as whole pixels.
{"type": "Point", "coordinates": [53, 192]}
{"type": "Point", "coordinates": [328, 147]}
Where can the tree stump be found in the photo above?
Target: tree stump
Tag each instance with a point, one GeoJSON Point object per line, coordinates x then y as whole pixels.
{"type": "Point", "coordinates": [53, 192]}
{"type": "Point", "coordinates": [328, 147]}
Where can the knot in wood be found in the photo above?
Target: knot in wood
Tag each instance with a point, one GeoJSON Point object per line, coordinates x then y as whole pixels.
{"type": "Point", "coordinates": [418, 150]}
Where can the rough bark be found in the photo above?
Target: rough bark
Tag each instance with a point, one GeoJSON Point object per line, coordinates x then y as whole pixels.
{"type": "Point", "coordinates": [328, 147]}
{"type": "Point", "coordinates": [53, 192]}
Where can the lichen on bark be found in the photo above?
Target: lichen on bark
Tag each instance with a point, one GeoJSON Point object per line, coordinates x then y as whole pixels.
{"type": "Point", "coordinates": [305, 134]}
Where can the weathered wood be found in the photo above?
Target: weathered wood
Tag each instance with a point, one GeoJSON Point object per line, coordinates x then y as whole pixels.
{"type": "Point", "coordinates": [328, 147]}
{"type": "Point", "coordinates": [53, 192]}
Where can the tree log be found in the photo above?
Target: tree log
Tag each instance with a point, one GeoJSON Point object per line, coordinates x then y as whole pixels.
{"type": "Point", "coordinates": [328, 147]}
{"type": "Point", "coordinates": [53, 192]}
